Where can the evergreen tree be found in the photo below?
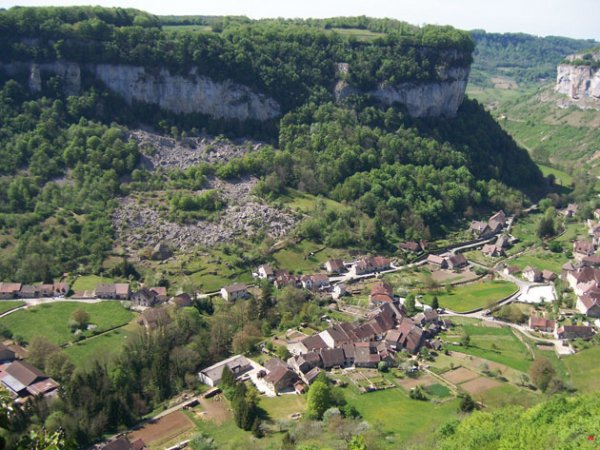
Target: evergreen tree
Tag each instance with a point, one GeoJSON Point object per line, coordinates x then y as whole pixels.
{"type": "Point", "coordinates": [467, 404]}
{"type": "Point", "coordinates": [227, 378]}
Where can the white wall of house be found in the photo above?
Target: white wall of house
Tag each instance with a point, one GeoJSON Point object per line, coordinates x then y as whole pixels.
{"type": "Point", "coordinates": [327, 338]}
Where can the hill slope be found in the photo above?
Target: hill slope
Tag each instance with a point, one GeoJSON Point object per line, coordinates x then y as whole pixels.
{"type": "Point", "coordinates": [399, 174]}
{"type": "Point", "coordinates": [557, 423]}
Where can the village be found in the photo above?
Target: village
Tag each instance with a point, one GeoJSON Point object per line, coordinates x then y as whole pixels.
{"type": "Point", "coordinates": [371, 325]}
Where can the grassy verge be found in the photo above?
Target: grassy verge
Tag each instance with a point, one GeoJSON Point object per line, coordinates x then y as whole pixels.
{"type": "Point", "coordinates": [6, 305]}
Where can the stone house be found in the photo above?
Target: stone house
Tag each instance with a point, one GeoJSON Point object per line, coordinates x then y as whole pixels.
{"type": "Point", "coordinates": [335, 266]}
{"type": "Point", "coordinates": [9, 290]}
{"type": "Point", "coordinates": [532, 275]}
{"type": "Point", "coordinates": [234, 292]}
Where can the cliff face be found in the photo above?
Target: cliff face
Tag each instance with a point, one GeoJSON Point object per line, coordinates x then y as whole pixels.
{"type": "Point", "coordinates": [190, 94]}
{"type": "Point", "coordinates": [580, 82]}
{"type": "Point", "coordinates": [440, 98]}
{"type": "Point", "coordinates": [174, 93]}
{"type": "Point", "coordinates": [194, 93]}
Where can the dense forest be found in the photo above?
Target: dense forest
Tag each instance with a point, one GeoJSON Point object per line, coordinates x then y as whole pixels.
{"type": "Point", "coordinates": [524, 57]}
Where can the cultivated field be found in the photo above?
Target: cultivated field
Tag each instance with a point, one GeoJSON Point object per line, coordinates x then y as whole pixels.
{"type": "Point", "coordinates": [460, 375]}
{"type": "Point", "coordinates": [155, 434]}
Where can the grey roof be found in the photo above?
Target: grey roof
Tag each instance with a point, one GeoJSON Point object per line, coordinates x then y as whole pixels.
{"type": "Point", "coordinates": [13, 384]}
{"type": "Point", "coordinates": [237, 287]}
{"type": "Point", "coordinates": [215, 371]}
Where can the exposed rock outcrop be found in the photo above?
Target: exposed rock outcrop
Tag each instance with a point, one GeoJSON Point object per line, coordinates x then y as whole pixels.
{"type": "Point", "coordinates": [190, 94]}
{"type": "Point", "coordinates": [175, 93]}
{"type": "Point", "coordinates": [226, 99]}
{"type": "Point", "coordinates": [421, 98]}
{"type": "Point", "coordinates": [69, 72]}
{"type": "Point", "coordinates": [580, 83]}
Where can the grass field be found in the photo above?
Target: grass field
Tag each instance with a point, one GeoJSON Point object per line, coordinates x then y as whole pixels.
{"type": "Point", "coordinates": [472, 296]}
{"type": "Point", "coordinates": [541, 259]}
{"type": "Point", "coordinates": [572, 231]}
{"type": "Point", "coordinates": [359, 34]}
{"type": "Point", "coordinates": [507, 395]}
{"type": "Point", "coordinates": [498, 344]}
{"type": "Point", "coordinates": [207, 271]}
{"type": "Point", "coordinates": [283, 406]}
{"type": "Point", "coordinates": [438, 390]}
{"type": "Point", "coordinates": [199, 28]}
{"type": "Point", "coordinates": [89, 282]}
{"type": "Point", "coordinates": [5, 305]}
{"type": "Point", "coordinates": [51, 319]}
{"type": "Point", "coordinates": [525, 230]}
{"type": "Point", "coordinates": [561, 177]}
{"type": "Point", "coordinates": [101, 347]}
{"type": "Point", "coordinates": [308, 203]}
{"type": "Point", "coordinates": [399, 417]}
{"type": "Point", "coordinates": [296, 257]}
{"type": "Point", "coordinates": [584, 370]}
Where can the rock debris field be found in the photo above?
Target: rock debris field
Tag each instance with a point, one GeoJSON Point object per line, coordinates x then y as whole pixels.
{"type": "Point", "coordinates": [162, 152]}
{"type": "Point", "coordinates": [140, 224]}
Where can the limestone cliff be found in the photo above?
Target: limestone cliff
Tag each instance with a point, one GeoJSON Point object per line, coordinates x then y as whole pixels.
{"type": "Point", "coordinates": [580, 82]}
{"type": "Point", "coordinates": [189, 94]}
{"type": "Point", "coordinates": [226, 99]}
{"type": "Point", "coordinates": [439, 98]}
{"type": "Point", "coordinates": [174, 93]}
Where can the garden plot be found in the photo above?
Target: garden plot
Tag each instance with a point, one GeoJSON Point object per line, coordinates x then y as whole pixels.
{"type": "Point", "coordinates": [425, 381]}
{"type": "Point", "coordinates": [460, 375]}
{"type": "Point", "coordinates": [479, 385]}
{"type": "Point", "coordinates": [163, 430]}
{"type": "Point", "coordinates": [369, 379]}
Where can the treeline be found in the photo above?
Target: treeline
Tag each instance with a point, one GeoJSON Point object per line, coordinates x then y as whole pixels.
{"type": "Point", "coordinates": [292, 61]}
{"type": "Point", "coordinates": [522, 56]}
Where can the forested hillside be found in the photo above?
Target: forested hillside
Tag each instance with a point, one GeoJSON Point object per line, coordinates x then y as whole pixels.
{"type": "Point", "coordinates": [68, 157]}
